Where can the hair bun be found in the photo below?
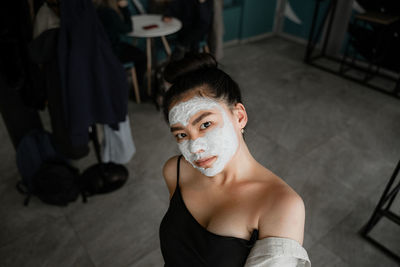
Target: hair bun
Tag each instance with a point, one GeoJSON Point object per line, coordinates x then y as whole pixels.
{"type": "Point", "coordinates": [190, 63]}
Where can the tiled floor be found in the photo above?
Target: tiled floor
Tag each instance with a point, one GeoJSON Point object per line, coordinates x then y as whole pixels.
{"type": "Point", "coordinates": [335, 142]}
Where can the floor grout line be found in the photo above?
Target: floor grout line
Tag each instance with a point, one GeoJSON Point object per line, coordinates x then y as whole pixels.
{"type": "Point", "coordinates": [80, 240]}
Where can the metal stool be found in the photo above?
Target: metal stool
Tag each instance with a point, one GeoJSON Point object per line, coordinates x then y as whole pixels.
{"type": "Point", "coordinates": [383, 210]}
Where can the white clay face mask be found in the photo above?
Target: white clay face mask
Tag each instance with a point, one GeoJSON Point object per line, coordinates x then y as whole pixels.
{"type": "Point", "coordinates": [221, 141]}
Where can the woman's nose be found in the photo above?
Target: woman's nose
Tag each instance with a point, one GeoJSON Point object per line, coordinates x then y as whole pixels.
{"type": "Point", "coordinates": [197, 146]}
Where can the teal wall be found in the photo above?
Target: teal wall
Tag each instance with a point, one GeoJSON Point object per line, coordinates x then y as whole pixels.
{"type": "Point", "coordinates": [304, 10]}
{"type": "Point", "coordinates": [258, 17]}
{"type": "Point", "coordinates": [232, 22]}
{"type": "Point", "coordinates": [248, 18]}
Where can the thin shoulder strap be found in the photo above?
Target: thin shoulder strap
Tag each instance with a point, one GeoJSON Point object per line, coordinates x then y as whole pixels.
{"type": "Point", "coordinates": [178, 170]}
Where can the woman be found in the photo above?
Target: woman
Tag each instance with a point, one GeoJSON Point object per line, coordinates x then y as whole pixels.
{"type": "Point", "coordinates": [116, 20]}
{"type": "Point", "coordinates": [225, 208]}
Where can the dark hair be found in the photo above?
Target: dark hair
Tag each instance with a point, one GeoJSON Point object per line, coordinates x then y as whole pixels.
{"type": "Point", "coordinates": [199, 72]}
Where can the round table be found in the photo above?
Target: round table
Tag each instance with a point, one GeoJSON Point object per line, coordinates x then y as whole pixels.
{"type": "Point", "coordinates": [163, 29]}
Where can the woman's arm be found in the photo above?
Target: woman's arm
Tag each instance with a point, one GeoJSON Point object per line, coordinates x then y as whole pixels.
{"type": "Point", "coordinates": [283, 215]}
{"type": "Point", "coordinates": [281, 230]}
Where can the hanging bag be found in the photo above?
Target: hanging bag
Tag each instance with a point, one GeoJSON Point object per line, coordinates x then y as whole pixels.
{"type": "Point", "coordinates": [102, 178]}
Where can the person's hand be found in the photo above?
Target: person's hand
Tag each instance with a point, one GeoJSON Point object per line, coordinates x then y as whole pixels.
{"type": "Point", "coordinates": [122, 3]}
{"type": "Point", "coordinates": [167, 19]}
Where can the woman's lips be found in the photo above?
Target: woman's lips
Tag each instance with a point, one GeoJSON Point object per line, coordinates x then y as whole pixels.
{"type": "Point", "coordinates": [205, 162]}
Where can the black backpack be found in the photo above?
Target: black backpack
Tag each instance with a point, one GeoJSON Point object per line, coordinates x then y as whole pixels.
{"type": "Point", "coordinates": [44, 172]}
{"type": "Point", "coordinates": [56, 183]}
{"type": "Point", "coordinates": [48, 176]}
{"type": "Point", "coordinates": [102, 178]}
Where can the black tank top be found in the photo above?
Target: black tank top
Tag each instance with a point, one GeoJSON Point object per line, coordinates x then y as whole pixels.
{"type": "Point", "coordinates": [185, 242]}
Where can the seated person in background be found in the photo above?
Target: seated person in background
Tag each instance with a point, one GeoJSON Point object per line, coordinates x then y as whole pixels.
{"type": "Point", "coordinates": [196, 17]}
{"type": "Point", "coordinates": [116, 20]}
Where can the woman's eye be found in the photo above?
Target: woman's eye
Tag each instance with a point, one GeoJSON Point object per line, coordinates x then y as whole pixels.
{"type": "Point", "coordinates": [180, 135]}
{"type": "Point", "coordinates": [205, 125]}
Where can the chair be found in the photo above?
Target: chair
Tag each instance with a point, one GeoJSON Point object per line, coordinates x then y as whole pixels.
{"type": "Point", "coordinates": [131, 67]}
{"type": "Point", "coordinates": [203, 45]}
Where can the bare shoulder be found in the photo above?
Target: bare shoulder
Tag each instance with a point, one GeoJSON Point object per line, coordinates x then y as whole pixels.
{"type": "Point", "coordinates": [282, 212]}
{"type": "Point", "coordinates": [170, 174]}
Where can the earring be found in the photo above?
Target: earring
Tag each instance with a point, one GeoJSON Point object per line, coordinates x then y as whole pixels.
{"type": "Point", "coordinates": [242, 130]}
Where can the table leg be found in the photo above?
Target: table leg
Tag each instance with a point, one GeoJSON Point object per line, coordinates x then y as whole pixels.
{"type": "Point", "coordinates": [135, 84]}
{"type": "Point", "coordinates": [149, 59]}
{"type": "Point", "coordinates": [166, 45]}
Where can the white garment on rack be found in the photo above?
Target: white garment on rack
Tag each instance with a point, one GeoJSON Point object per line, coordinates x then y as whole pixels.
{"type": "Point", "coordinates": [118, 146]}
{"type": "Point", "coordinates": [45, 20]}
{"type": "Point", "coordinates": [277, 252]}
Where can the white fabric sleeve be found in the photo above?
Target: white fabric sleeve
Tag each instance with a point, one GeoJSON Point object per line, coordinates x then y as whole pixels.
{"type": "Point", "coordinates": [45, 20]}
{"type": "Point", "coordinates": [277, 252]}
{"type": "Point", "coordinates": [118, 146]}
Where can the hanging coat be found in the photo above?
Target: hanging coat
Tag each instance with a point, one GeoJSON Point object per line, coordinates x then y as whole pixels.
{"type": "Point", "coordinates": [43, 51]}
{"type": "Point", "coordinates": [94, 83]}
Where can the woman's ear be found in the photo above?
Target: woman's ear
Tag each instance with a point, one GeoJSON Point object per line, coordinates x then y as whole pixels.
{"type": "Point", "coordinates": [240, 115]}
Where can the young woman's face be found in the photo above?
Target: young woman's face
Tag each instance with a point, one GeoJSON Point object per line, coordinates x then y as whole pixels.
{"type": "Point", "coordinates": [205, 134]}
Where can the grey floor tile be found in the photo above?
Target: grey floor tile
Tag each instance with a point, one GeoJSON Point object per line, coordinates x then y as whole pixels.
{"type": "Point", "coordinates": [298, 121]}
{"type": "Point", "coordinates": [379, 133]}
{"type": "Point", "coordinates": [7, 156]}
{"type": "Point", "coordinates": [267, 152]}
{"type": "Point", "coordinates": [54, 244]}
{"type": "Point", "coordinates": [9, 179]}
{"type": "Point", "coordinates": [333, 176]}
{"type": "Point", "coordinates": [119, 228]}
{"type": "Point", "coordinates": [302, 129]}
{"type": "Point", "coordinates": [327, 202]}
{"type": "Point", "coordinates": [345, 241]}
{"type": "Point", "coordinates": [321, 256]}
{"type": "Point", "coordinates": [347, 162]}
{"type": "Point", "coordinates": [17, 219]}
{"type": "Point", "coordinates": [387, 233]}
{"type": "Point", "coordinates": [154, 181]}
{"type": "Point", "coordinates": [153, 259]}
{"type": "Point", "coordinates": [153, 140]}
{"type": "Point", "coordinates": [8, 167]}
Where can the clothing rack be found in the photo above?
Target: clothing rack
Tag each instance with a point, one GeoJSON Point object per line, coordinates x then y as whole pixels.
{"type": "Point", "coordinates": [383, 210]}
{"type": "Point", "coordinates": [313, 58]}
{"type": "Point", "coordinates": [93, 135]}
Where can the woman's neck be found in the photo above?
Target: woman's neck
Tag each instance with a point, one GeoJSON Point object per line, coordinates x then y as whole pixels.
{"type": "Point", "coordinates": [238, 168]}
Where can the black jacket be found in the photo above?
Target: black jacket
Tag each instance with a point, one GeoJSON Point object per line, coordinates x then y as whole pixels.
{"type": "Point", "coordinates": [43, 51]}
{"type": "Point", "coordinates": [94, 83]}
